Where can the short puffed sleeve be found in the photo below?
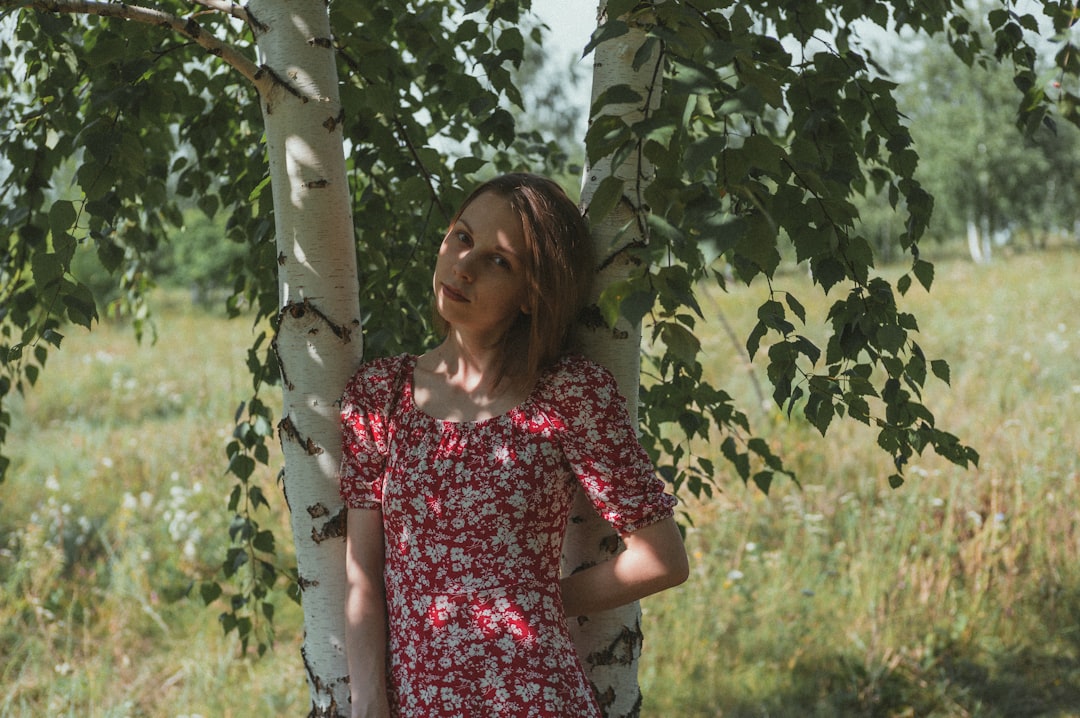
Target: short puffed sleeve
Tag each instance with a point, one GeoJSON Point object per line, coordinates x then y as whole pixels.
{"type": "Point", "coordinates": [601, 446]}
{"type": "Point", "coordinates": [365, 432]}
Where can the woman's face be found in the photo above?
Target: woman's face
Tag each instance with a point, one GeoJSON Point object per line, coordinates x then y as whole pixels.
{"type": "Point", "coordinates": [480, 283]}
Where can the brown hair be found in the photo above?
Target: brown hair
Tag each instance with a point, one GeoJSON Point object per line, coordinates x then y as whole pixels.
{"type": "Point", "coordinates": [559, 268]}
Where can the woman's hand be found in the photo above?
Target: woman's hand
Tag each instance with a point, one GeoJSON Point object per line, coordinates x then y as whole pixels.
{"type": "Point", "coordinates": [654, 559]}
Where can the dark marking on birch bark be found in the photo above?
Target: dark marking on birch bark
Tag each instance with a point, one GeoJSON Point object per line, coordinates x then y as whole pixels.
{"type": "Point", "coordinates": [306, 583]}
{"type": "Point", "coordinates": [313, 679]}
{"type": "Point", "coordinates": [193, 30]}
{"type": "Point", "coordinates": [331, 711]}
{"type": "Point", "coordinates": [334, 528]}
{"type": "Point", "coordinates": [590, 317]}
{"type": "Point", "coordinates": [331, 123]}
{"type": "Point", "coordinates": [298, 310]}
{"type": "Point", "coordinates": [317, 184]}
{"type": "Point", "coordinates": [281, 366]}
{"type": "Point", "coordinates": [610, 544]}
{"type": "Point", "coordinates": [281, 82]}
{"type": "Point", "coordinates": [318, 510]}
{"type": "Point", "coordinates": [635, 710]}
{"type": "Point", "coordinates": [621, 651]}
{"type": "Point", "coordinates": [281, 259]}
{"type": "Point", "coordinates": [287, 428]}
{"type": "Point", "coordinates": [324, 42]}
{"type": "Point", "coordinates": [605, 699]}
{"type": "Point", "coordinates": [256, 25]}
{"type": "Point", "coordinates": [284, 488]}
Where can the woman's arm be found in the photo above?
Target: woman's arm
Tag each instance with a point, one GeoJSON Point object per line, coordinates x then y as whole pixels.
{"type": "Point", "coordinates": [654, 559]}
{"type": "Point", "coordinates": [365, 614]}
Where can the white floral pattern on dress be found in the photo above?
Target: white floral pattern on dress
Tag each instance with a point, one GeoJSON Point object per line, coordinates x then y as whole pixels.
{"type": "Point", "coordinates": [473, 517]}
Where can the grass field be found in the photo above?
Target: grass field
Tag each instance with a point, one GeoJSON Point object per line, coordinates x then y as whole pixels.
{"type": "Point", "coordinates": [956, 595]}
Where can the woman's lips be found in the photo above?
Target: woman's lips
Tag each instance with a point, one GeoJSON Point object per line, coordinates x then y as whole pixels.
{"type": "Point", "coordinates": [453, 294]}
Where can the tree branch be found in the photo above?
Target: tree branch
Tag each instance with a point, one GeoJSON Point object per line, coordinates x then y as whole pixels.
{"type": "Point", "coordinates": [188, 27]}
{"type": "Point", "coordinates": [240, 12]}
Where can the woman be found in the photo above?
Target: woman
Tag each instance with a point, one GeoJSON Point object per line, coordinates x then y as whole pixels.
{"type": "Point", "coordinates": [459, 469]}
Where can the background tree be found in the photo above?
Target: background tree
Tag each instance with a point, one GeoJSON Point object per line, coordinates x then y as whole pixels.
{"type": "Point", "coordinates": [771, 119]}
{"type": "Point", "coordinates": [991, 181]}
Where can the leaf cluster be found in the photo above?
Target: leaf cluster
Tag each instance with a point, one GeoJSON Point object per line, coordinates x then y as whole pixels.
{"type": "Point", "coordinates": [108, 135]}
{"type": "Point", "coordinates": [775, 118]}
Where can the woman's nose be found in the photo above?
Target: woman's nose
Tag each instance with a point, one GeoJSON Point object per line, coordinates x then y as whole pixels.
{"type": "Point", "coordinates": [463, 266]}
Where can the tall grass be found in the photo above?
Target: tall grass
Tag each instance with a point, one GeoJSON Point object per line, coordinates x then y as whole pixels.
{"type": "Point", "coordinates": [956, 595]}
{"type": "Point", "coordinates": [114, 505]}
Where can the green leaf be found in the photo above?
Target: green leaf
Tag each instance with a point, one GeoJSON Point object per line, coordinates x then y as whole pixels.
{"type": "Point", "coordinates": [797, 309]}
{"type": "Point", "coordinates": [47, 269]}
{"type": "Point", "coordinates": [608, 31]}
{"type": "Point", "coordinates": [264, 541]}
{"type": "Point", "coordinates": [469, 165]}
{"type": "Point", "coordinates": [940, 368]}
{"type": "Point", "coordinates": [242, 466]}
{"type": "Point", "coordinates": [210, 592]}
{"type": "Point", "coordinates": [605, 199]}
{"type": "Point", "coordinates": [617, 95]}
{"type": "Point", "coordinates": [62, 217]}
{"type": "Point", "coordinates": [924, 272]}
{"type": "Point", "coordinates": [680, 342]}
{"type": "Point", "coordinates": [81, 306]}
{"type": "Point", "coordinates": [52, 337]}
{"type": "Point", "coordinates": [753, 341]}
{"type": "Point", "coordinates": [890, 338]}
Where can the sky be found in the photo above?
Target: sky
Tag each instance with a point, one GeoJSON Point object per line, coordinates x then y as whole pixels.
{"type": "Point", "coordinates": [571, 22]}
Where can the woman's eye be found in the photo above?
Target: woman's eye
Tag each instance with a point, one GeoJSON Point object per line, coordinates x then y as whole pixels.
{"type": "Point", "coordinates": [501, 261]}
{"type": "Point", "coordinates": [464, 238]}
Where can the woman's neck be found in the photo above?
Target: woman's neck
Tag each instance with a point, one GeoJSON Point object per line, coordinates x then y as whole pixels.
{"type": "Point", "coordinates": [461, 382]}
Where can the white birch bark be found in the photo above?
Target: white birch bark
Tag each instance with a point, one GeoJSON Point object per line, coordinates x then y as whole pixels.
{"type": "Point", "coordinates": [318, 342]}
{"type": "Point", "coordinates": [973, 242]}
{"type": "Point", "coordinates": [609, 644]}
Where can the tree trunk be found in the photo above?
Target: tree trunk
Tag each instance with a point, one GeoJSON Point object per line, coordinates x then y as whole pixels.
{"type": "Point", "coordinates": [978, 241]}
{"type": "Point", "coordinates": [318, 340]}
{"type": "Point", "coordinates": [609, 643]}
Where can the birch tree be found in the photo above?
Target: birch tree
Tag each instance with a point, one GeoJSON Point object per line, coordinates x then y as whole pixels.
{"type": "Point", "coordinates": [610, 644]}
{"type": "Point", "coordinates": [722, 133]}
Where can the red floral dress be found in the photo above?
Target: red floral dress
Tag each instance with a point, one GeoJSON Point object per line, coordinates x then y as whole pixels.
{"type": "Point", "coordinates": [473, 517]}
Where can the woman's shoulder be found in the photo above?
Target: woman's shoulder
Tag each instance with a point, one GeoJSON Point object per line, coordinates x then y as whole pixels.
{"type": "Point", "coordinates": [571, 366]}
{"type": "Point", "coordinates": [573, 374]}
{"type": "Point", "coordinates": [376, 378]}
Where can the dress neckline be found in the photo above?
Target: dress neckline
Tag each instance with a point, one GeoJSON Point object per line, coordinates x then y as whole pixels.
{"type": "Point", "coordinates": [410, 383]}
